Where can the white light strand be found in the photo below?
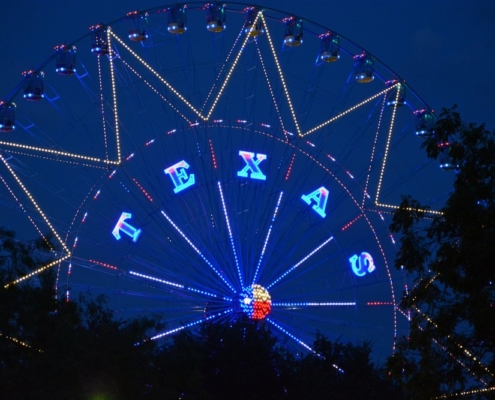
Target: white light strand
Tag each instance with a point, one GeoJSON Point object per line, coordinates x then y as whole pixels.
{"type": "Point", "coordinates": [33, 201]}
{"type": "Point", "coordinates": [467, 393]}
{"type": "Point", "coordinates": [172, 331]}
{"type": "Point", "coordinates": [59, 153]}
{"type": "Point", "coordinates": [198, 251]}
{"type": "Point", "coordinates": [15, 340]}
{"type": "Point", "coordinates": [102, 105]}
{"type": "Point", "coordinates": [464, 350]}
{"type": "Point", "coordinates": [323, 124]}
{"type": "Point", "coordinates": [387, 145]}
{"type": "Point", "coordinates": [229, 74]}
{"type": "Point", "coordinates": [21, 206]}
{"type": "Point", "coordinates": [222, 69]}
{"type": "Point", "coordinates": [152, 278]}
{"type": "Point", "coordinates": [426, 211]}
{"type": "Point", "coordinates": [36, 272]}
{"type": "Point", "coordinates": [272, 94]}
{"type": "Point", "coordinates": [114, 96]}
{"type": "Point", "coordinates": [267, 237]}
{"type": "Point", "coordinates": [230, 234]}
{"type": "Point", "coordinates": [279, 69]}
{"type": "Point", "coordinates": [300, 262]}
{"type": "Point", "coordinates": [351, 304]}
{"type": "Point", "coordinates": [373, 148]}
{"type": "Point", "coordinates": [168, 85]}
{"type": "Point", "coordinates": [155, 90]}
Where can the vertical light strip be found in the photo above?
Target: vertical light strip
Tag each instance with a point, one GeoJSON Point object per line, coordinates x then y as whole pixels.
{"type": "Point", "coordinates": [222, 69]}
{"type": "Point", "coordinates": [387, 146]}
{"type": "Point", "coordinates": [267, 237]}
{"type": "Point", "coordinates": [271, 91]}
{"type": "Point", "coordinates": [365, 193]}
{"type": "Point", "coordinates": [114, 95]}
{"type": "Point", "coordinates": [225, 213]}
{"type": "Point", "coordinates": [102, 104]}
{"type": "Point", "coordinates": [286, 91]}
{"type": "Point", "coordinates": [198, 251]}
{"type": "Point", "coordinates": [300, 262]}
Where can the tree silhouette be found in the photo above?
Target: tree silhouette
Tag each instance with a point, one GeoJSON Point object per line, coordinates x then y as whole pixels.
{"type": "Point", "coordinates": [450, 257]}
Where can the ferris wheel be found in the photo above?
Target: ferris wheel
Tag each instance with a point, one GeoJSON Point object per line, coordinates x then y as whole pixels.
{"type": "Point", "coordinates": [219, 160]}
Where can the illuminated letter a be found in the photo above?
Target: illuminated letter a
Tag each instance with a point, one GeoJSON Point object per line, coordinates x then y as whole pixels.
{"type": "Point", "coordinates": [319, 198]}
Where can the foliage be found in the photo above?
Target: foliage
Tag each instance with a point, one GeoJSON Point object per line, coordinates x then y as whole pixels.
{"type": "Point", "coordinates": [56, 349]}
{"type": "Point", "coordinates": [243, 359]}
{"type": "Point", "coordinates": [52, 348]}
{"type": "Point", "coordinates": [450, 257]}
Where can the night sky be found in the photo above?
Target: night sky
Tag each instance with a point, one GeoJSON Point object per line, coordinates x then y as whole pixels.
{"type": "Point", "coordinates": [444, 49]}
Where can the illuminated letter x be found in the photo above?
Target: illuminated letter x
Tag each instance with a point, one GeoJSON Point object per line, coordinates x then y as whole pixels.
{"type": "Point", "coordinates": [252, 165]}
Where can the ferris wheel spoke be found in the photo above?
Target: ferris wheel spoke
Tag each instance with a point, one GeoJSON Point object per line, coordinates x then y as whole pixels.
{"type": "Point", "coordinates": [267, 237]}
{"type": "Point", "coordinates": [290, 335]}
{"type": "Point", "coordinates": [231, 238]}
{"type": "Point", "coordinates": [305, 258]}
{"type": "Point", "coordinates": [213, 317]}
{"type": "Point", "coordinates": [180, 286]}
{"type": "Point", "coordinates": [198, 252]}
{"type": "Point", "coordinates": [291, 305]}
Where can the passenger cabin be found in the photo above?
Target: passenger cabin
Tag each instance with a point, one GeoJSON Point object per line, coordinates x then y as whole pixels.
{"type": "Point", "coordinates": [215, 17]}
{"type": "Point", "coordinates": [396, 95]}
{"type": "Point", "coordinates": [253, 23]}
{"type": "Point", "coordinates": [363, 68]}
{"type": "Point", "coordinates": [65, 60]}
{"type": "Point", "coordinates": [177, 20]}
{"type": "Point", "coordinates": [329, 47]}
{"type": "Point", "coordinates": [34, 85]}
{"type": "Point", "coordinates": [138, 23]}
{"type": "Point", "coordinates": [293, 31]}
{"type": "Point", "coordinates": [99, 42]}
{"type": "Point", "coordinates": [425, 124]}
{"type": "Point", "coordinates": [7, 116]}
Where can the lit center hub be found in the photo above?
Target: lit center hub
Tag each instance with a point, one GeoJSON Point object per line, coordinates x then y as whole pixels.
{"type": "Point", "coordinates": [255, 301]}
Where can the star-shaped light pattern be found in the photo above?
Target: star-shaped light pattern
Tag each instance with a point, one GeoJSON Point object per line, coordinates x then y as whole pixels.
{"type": "Point", "coordinates": [133, 159]}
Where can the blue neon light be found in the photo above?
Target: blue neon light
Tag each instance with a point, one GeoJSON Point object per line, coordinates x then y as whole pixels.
{"type": "Point", "coordinates": [126, 228]}
{"type": "Point", "coordinates": [180, 178]}
{"type": "Point", "coordinates": [320, 198]}
{"type": "Point", "coordinates": [252, 165]}
{"type": "Point", "coordinates": [362, 264]}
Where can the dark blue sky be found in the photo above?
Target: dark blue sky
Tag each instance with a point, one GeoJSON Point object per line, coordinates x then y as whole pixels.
{"type": "Point", "coordinates": [444, 49]}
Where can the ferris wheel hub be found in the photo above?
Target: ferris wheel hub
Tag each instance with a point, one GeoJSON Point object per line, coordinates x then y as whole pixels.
{"type": "Point", "coordinates": [255, 301]}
